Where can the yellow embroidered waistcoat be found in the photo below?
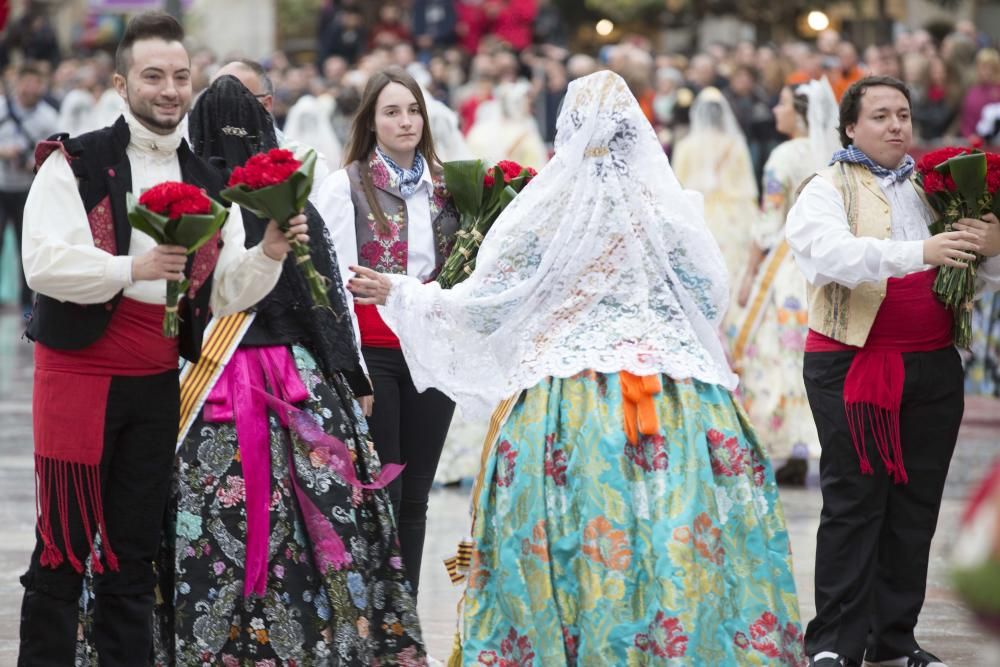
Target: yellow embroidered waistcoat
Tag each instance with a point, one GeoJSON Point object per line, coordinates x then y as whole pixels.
{"type": "Point", "coordinates": [843, 314]}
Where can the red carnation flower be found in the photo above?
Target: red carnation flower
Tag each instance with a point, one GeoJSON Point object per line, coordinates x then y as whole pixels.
{"type": "Point", "coordinates": [173, 200]}
{"type": "Point", "coordinates": [993, 173]}
{"type": "Point", "coordinates": [931, 160]}
{"type": "Point", "coordinates": [488, 180]}
{"type": "Point", "coordinates": [933, 182]}
{"type": "Point", "coordinates": [510, 169]}
{"type": "Point", "coordinates": [265, 169]}
{"type": "Point", "coordinates": [532, 172]}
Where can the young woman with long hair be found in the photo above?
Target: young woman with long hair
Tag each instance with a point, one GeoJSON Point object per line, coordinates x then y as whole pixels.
{"type": "Point", "coordinates": [388, 210]}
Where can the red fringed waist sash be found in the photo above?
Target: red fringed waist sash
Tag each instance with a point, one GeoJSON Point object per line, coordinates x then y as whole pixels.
{"type": "Point", "coordinates": [69, 406]}
{"type": "Point", "coordinates": [910, 319]}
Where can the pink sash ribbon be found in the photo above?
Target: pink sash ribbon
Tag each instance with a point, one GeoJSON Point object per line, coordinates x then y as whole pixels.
{"type": "Point", "coordinates": [241, 396]}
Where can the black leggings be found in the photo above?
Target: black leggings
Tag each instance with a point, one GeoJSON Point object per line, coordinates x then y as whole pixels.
{"type": "Point", "coordinates": [407, 427]}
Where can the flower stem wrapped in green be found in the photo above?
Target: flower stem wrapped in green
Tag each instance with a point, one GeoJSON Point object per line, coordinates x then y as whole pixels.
{"type": "Point", "coordinates": [275, 185]}
{"type": "Point", "coordinates": [178, 214]}
{"type": "Point", "coordinates": [480, 195]}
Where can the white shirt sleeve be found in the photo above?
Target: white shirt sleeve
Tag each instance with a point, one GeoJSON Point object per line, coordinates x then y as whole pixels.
{"type": "Point", "coordinates": [333, 201]}
{"type": "Point", "coordinates": [243, 276]}
{"type": "Point", "coordinates": [58, 252]}
{"type": "Point", "coordinates": [827, 252]}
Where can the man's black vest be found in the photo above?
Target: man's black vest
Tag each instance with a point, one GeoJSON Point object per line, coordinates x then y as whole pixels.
{"type": "Point", "coordinates": [102, 169]}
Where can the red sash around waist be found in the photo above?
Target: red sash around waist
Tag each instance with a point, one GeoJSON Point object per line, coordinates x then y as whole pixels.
{"type": "Point", "coordinates": [910, 319]}
{"type": "Point", "coordinates": [68, 409]}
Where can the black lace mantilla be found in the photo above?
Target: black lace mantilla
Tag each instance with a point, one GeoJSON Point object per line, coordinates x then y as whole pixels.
{"type": "Point", "coordinates": [287, 314]}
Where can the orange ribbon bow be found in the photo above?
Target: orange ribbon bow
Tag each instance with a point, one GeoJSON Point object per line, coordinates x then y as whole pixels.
{"type": "Point", "coordinates": [638, 404]}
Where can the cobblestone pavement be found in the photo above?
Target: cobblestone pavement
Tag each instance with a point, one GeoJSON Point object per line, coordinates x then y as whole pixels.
{"type": "Point", "coordinates": [945, 628]}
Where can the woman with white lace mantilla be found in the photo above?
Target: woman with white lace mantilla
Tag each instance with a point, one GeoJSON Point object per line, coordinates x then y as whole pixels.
{"type": "Point", "coordinates": [389, 211]}
{"type": "Point", "coordinates": [626, 513]}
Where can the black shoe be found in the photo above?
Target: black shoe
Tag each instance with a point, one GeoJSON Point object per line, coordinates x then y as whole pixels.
{"type": "Point", "coordinates": [793, 473]}
{"type": "Point", "coordinates": [918, 658]}
{"type": "Point", "coordinates": [832, 660]}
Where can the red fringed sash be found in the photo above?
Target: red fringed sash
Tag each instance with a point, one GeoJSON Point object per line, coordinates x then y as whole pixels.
{"type": "Point", "coordinates": [911, 319]}
{"type": "Point", "coordinates": [69, 407]}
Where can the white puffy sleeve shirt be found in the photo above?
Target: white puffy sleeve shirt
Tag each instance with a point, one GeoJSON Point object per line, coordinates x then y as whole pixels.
{"type": "Point", "coordinates": [827, 252]}
{"type": "Point", "coordinates": [333, 200]}
{"type": "Point", "coordinates": [61, 261]}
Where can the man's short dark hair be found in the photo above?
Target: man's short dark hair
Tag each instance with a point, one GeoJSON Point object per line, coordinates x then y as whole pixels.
{"type": "Point", "coordinates": [850, 105]}
{"type": "Point", "coordinates": [265, 81]}
{"type": "Point", "coordinates": [152, 25]}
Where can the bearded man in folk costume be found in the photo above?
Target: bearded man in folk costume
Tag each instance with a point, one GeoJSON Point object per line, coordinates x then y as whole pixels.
{"type": "Point", "coordinates": [882, 375]}
{"type": "Point", "coordinates": [106, 393]}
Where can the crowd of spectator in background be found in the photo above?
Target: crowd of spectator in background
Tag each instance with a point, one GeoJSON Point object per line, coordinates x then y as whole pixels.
{"type": "Point", "coordinates": [464, 52]}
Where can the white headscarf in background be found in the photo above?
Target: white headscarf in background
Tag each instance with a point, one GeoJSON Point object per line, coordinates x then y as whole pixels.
{"type": "Point", "coordinates": [602, 262]}
{"type": "Point", "coordinates": [77, 113]}
{"type": "Point", "coordinates": [715, 140]}
{"type": "Point", "coordinates": [505, 128]}
{"type": "Point", "coordinates": [309, 123]}
{"type": "Point", "coordinates": [823, 118]}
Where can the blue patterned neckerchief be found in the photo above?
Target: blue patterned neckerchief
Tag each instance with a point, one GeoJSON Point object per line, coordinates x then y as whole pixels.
{"type": "Point", "coordinates": [408, 179]}
{"type": "Point", "coordinates": [854, 156]}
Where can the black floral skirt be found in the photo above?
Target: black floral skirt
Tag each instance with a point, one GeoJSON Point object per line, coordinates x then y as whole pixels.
{"type": "Point", "coordinates": [358, 612]}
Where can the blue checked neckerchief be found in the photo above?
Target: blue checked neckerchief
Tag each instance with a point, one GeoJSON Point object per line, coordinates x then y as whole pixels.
{"type": "Point", "coordinates": [854, 156]}
{"type": "Point", "coordinates": [409, 179]}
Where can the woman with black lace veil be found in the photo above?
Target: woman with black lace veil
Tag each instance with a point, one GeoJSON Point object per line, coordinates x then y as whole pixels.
{"type": "Point", "coordinates": [279, 549]}
{"type": "Point", "coordinates": [626, 513]}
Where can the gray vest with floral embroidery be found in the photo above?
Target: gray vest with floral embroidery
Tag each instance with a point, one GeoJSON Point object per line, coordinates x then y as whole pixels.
{"type": "Point", "coordinates": [387, 252]}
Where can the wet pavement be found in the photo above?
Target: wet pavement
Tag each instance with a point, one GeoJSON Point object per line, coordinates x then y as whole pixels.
{"type": "Point", "coordinates": [945, 627]}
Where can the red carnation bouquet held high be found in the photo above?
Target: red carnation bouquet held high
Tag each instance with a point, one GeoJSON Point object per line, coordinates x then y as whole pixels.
{"type": "Point", "coordinates": [275, 185]}
{"type": "Point", "coordinates": [480, 195]}
{"type": "Point", "coordinates": [181, 214]}
{"type": "Point", "coordinates": [959, 183]}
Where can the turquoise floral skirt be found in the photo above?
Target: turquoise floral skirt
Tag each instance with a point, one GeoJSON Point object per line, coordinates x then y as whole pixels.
{"type": "Point", "coordinates": [592, 551]}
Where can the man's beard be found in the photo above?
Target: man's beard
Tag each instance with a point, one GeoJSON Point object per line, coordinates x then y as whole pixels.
{"type": "Point", "coordinates": [152, 122]}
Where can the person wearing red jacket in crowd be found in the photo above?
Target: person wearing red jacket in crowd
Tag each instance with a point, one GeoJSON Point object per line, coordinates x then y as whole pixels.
{"type": "Point", "coordinates": [389, 29]}
{"type": "Point", "coordinates": [470, 24]}
{"type": "Point", "coordinates": [512, 21]}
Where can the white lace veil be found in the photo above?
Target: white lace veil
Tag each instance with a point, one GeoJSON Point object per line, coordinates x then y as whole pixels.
{"type": "Point", "coordinates": [603, 262]}
{"type": "Point", "coordinates": [822, 117]}
{"type": "Point", "coordinates": [715, 137]}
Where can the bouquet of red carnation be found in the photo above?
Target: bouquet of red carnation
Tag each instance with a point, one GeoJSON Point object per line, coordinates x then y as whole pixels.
{"type": "Point", "coordinates": [275, 185]}
{"type": "Point", "coordinates": [480, 195]}
{"type": "Point", "coordinates": [180, 214]}
{"type": "Point", "coordinates": [959, 183]}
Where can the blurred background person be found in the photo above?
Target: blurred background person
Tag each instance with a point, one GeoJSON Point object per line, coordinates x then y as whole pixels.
{"type": "Point", "coordinates": [985, 90]}
{"type": "Point", "coordinates": [25, 119]}
{"type": "Point", "coordinates": [714, 160]}
{"type": "Point", "coordinates": [505, 128]}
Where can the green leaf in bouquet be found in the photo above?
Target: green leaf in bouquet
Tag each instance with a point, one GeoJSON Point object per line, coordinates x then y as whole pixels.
{"type": "Point", "coordinates": [507, 196]}
{"type": "Point", "coordinates": [145, 220]}
{"type": "Point", "coordinates": [194, 231]}
{"type": "Point", "coordinates": [303, 179]}
{"type": "Point", "coordinates": [464, 179]}
{"type": "Point", "coordinates": [969, 174]}
{"type": "Point", "coordinates": [276, 202]}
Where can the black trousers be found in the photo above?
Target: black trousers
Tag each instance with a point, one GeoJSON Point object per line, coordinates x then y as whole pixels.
{"type": "Point", "coordinates": [874, 537]}
{"type": "Point", "coordinates": [407, 427]}
{"type": "Point", "coordinates": [12, 212]}
{"type": "Point", "coordinates": [139, 439]}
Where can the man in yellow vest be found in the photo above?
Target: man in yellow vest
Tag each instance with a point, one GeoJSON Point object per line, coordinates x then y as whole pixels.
{"type": "Point", "coordinates": [884, 379]}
